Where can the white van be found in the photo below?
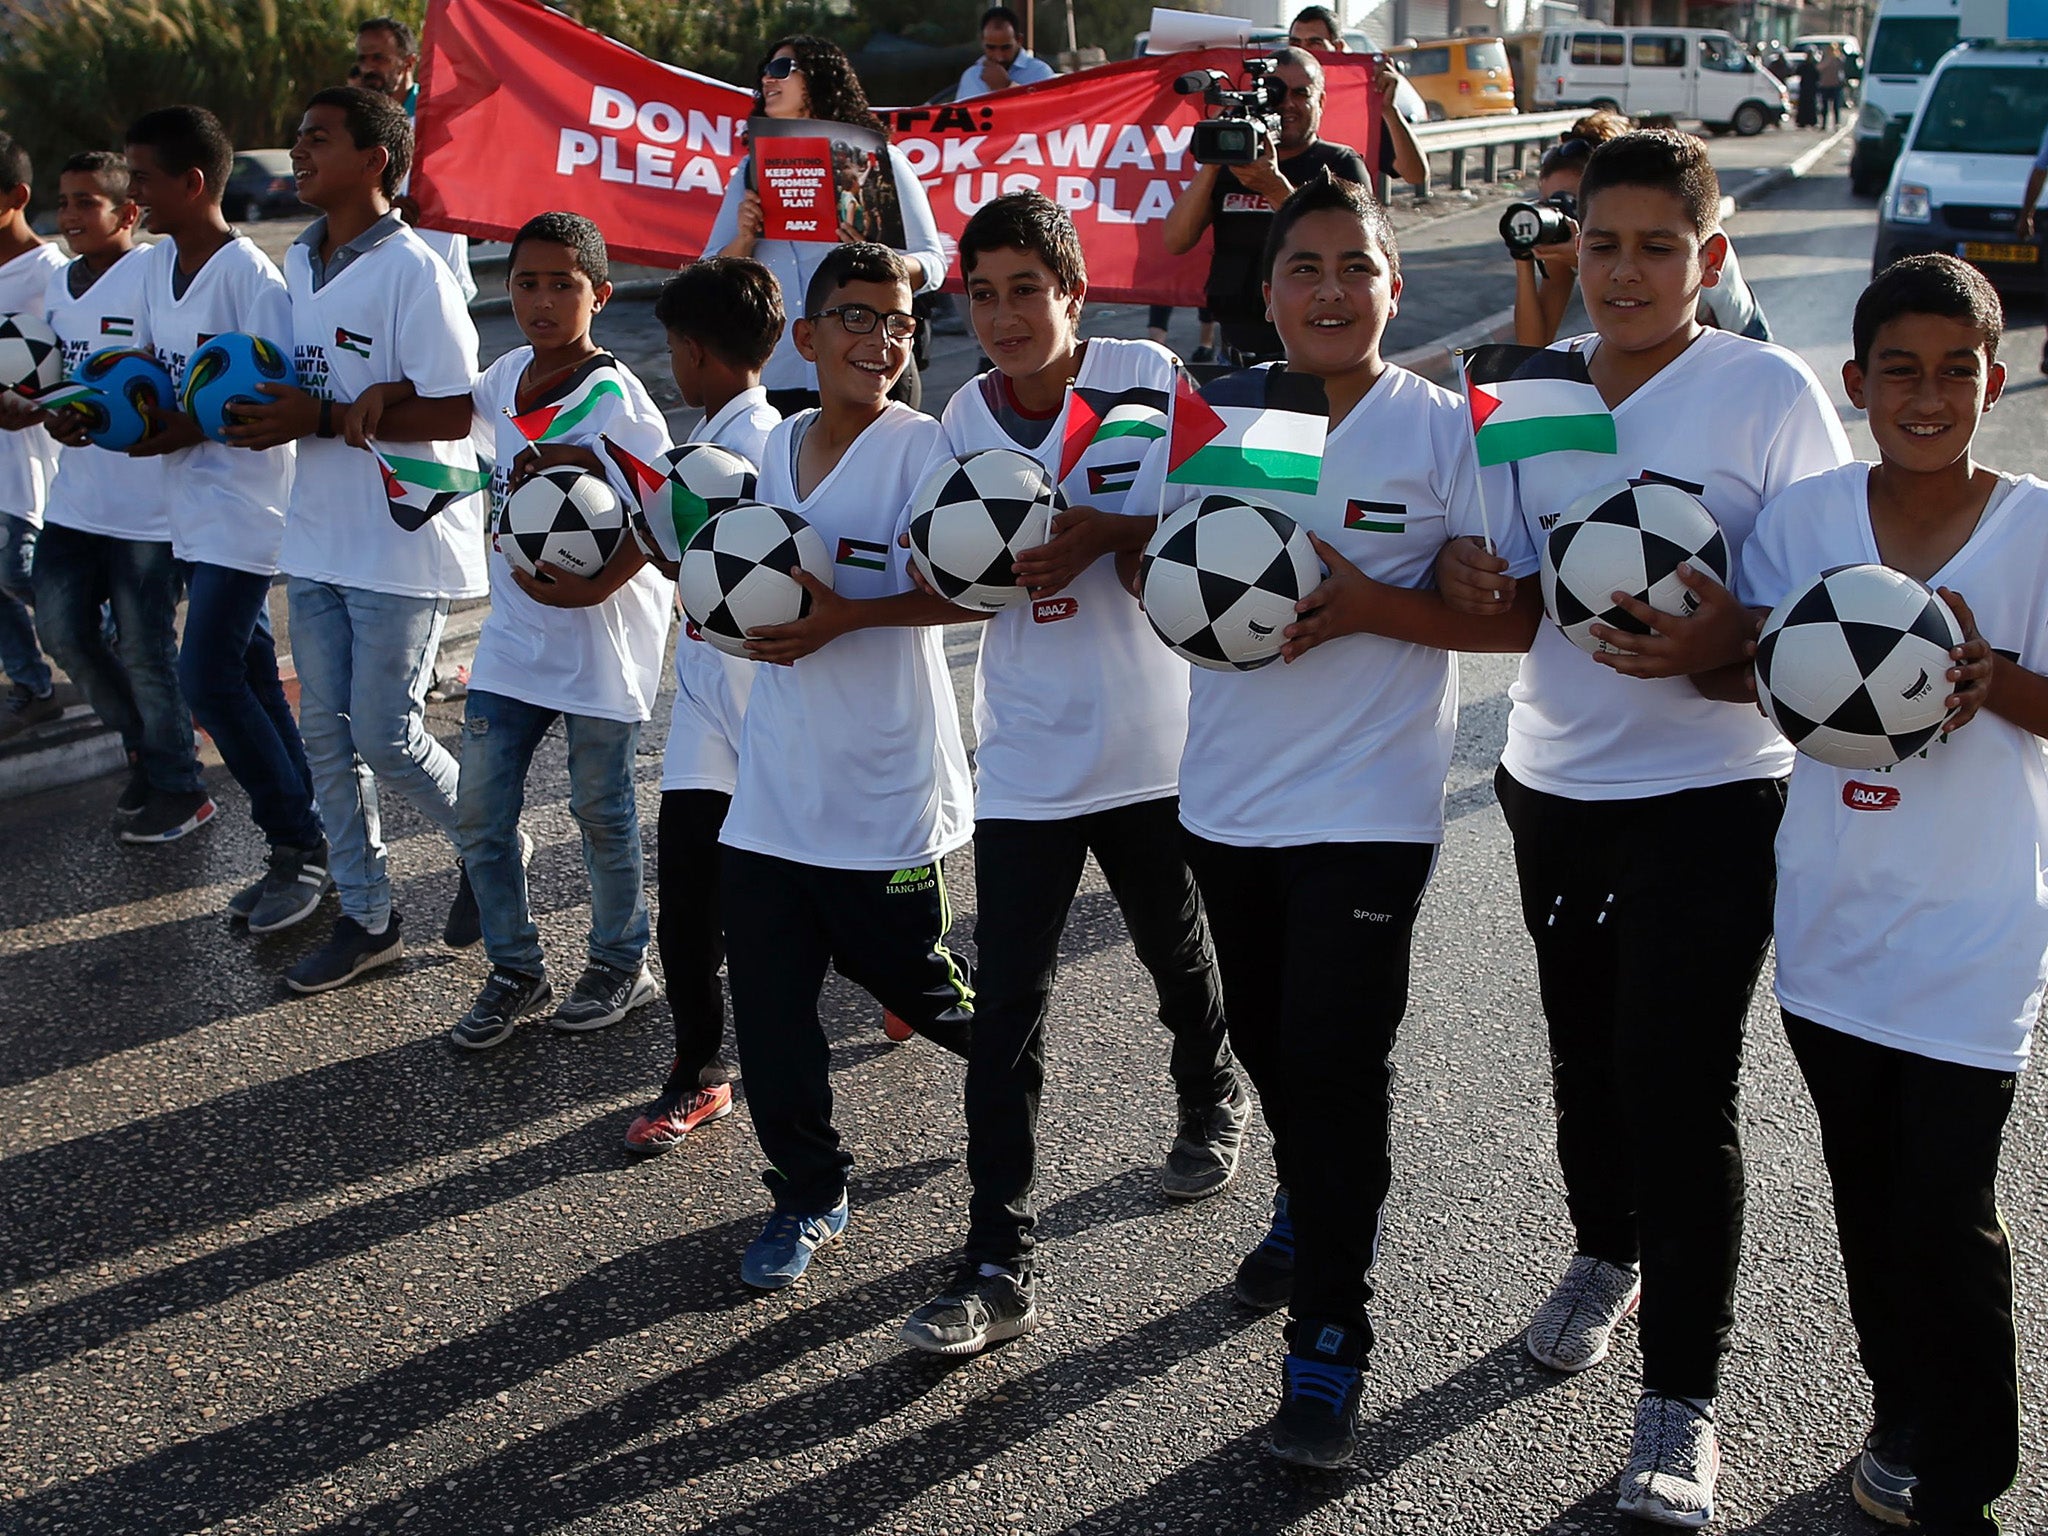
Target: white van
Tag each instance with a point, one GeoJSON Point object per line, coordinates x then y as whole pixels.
{"type": "Point", "coordinates": [1910, 36]}
{"type": "Point", "coordinates": [1658, 71]}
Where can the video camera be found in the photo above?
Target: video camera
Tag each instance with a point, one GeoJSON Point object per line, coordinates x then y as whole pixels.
{"type": "Point", "coordinates": [1547, 221]}
{"type": "Point", "coordinates": [1237, 134]}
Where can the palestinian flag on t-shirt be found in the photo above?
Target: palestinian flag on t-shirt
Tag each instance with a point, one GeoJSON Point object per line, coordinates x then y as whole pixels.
{"type": "Point", "coordinates": [1108, 415]}
{"type": "Point", "coordinates": [420, 489]}
{"type": "Point", "coordinates": [1531, 400]}
{"type": "Point", "coordinates": [1260, 429]}
{"type": "Point", "coordinates": [585, 392]}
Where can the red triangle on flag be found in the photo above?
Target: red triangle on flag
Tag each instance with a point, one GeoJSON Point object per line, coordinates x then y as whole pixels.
{"type": "Point", "coordinates": [1484, 404]}
{"type": "Point", "coordinates": [645, 477]}
{"type": "Point", "coordinates": [1083, 420]}
{"type": "Point", "coordinates": [394, 488]}
{"type": "Point", "coordinates": [533, 426]}
{"type": "Point", "coordinates": [1193, 424]}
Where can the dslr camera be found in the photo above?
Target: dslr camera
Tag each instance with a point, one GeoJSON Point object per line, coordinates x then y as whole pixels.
{"type": "Point", "coordinates": [1548, 221]}
{"type": "Point", "coordinates": [1244, 120]}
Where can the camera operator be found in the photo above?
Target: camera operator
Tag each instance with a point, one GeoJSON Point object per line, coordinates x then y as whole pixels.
{"type": "Point", "coordinates": [1239, 200]}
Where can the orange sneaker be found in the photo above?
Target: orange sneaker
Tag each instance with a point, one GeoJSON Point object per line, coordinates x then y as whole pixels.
{"type": "Point", "coordinates": [665, 1122]}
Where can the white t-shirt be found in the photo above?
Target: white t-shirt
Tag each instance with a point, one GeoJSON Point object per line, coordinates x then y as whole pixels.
{"type": "Point", "coordinates": [98, 490]}
{"type": "Point", "coordinates": [394, 313]}
{"type": "Point", "coordinates": [1913, 900]}
{"type": "Point", "coordinates": [711, 687]}
{"type": "Point", "coordinates": [28, 458]}
{"type": "Point", "coordinates": [852, 758]}
{"type": "Point", "coordinates": [227, 504]}
{"type": "Point", "coordinates": [1077, 706]}
{"type": "Point", "coordinates": [603, 661]}
{"type": "Point", "coordinates": [1351, 743]}
{"type": "Point", "coordinates": [1734, 422]}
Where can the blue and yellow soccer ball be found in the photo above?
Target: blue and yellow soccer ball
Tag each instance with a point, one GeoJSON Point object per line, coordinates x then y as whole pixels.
{"type": "Point", "coordinates": [131, 394]}
{"type": "Point", "coordinates": [223, 374]}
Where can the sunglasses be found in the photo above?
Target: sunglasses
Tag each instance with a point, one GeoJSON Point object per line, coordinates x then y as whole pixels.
{"type": "Point", "coordinates": [859, 320]}
{"type": "Point", "coordinates": [780, 69]}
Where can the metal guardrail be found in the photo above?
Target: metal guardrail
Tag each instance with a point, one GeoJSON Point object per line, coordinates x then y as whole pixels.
{"type": "Point", "coordinates": [1517, 134]}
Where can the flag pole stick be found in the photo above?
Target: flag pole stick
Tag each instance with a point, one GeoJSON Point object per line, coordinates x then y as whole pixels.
{"type": "Point", "coordinates": [1478, 469]}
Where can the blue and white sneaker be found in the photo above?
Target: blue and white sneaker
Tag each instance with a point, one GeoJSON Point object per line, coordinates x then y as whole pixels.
{"type": "Point", "coordinates": [1265, 1276]}
{"type": "Point", "coordinates": [1317, 1425]}
{"type": "Point", "coordinates": [778, 1258]}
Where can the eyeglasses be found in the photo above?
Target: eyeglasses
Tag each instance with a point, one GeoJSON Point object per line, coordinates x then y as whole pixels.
{"type": "Point", "coordinates": [781, 69]}
{"type": "Point", "coordinates": [859, 320]}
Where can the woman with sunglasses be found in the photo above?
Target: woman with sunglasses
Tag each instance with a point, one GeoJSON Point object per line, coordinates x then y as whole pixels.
{"type": "Point", "coordinates": [807, 77]}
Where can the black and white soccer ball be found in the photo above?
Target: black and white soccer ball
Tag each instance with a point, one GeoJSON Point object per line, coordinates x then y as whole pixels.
{"type": "Point", "coordinates": [568, 518]}
{"type": "Point", "coordinates": [972, 517]}
{"type": "Point", "coordinates": [1853, 667]}
{"type": "Point", "coordinates": [735, 575]}
{"type": "Point", "coordinates": [1627, 538]}
{"type": "Point", "coordinates": [31, 356]}
{"type": "Point", "coordinates": [700, 480]}
{"type": "Point", "coordinates": [1221, 577]}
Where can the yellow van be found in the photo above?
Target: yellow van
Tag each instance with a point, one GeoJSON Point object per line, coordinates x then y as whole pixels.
{"type": "Point", "coordinates": [1458, 76]}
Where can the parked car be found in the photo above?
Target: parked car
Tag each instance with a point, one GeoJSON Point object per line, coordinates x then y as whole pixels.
{"type": "Point", "coordinates": [261, 186]}
{"type": "Point", "coordinates": [1458, 76]}
{"type": "Point", "coordinates": [1910, 36]}
{"type": "Point", "coordinates": [1680, 72]}
{"type": "Point", "coordinates": [1956, 187]}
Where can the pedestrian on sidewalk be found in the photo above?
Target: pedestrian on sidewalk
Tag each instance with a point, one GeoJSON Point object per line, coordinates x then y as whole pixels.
{"type": "Point", "coordinates": [1808, 76]}
{"type": "Point", "coordinates": [1830, 74]}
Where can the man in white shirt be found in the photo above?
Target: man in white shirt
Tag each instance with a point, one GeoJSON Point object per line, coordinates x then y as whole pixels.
{"type": "Point", "coordinates": [1005, 61]}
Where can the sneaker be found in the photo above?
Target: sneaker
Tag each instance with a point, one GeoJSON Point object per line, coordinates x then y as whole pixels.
{"type": "Point", "coordinates": [895, 1029]}
{"type": "Point", "coordinates": [1201, 355]}
{"type": "Point", "coordinates": [22, 710]}
{"type": "Point", "coordinates": [135, 793]}
{"type": "Point", "coordinates": [1317, 1425]}
{"type": "Point", "coordinates": [166, 818]}
{"type": "Point", "coordinates": [1203, 1157]}
{"type": "Point", "coordinates": [1884, 1480]}
{"type": "Point", "coordinates": [1672, 1463]}
{"type": "Point", "coordinates": [975, 1311]}
{"type": "Point", "coordinates": [243, 902]}
{"type": "Point", "coordinates": [778, 1258]}
{"type": "Point", "coordinates": [507, 997]}
{"type": "Point", "coordinates": [349, 951]}
{"type": "Point", "coordinates": [292, 888]}
{"type": "Point", "coordinates": [465, 925]}
{"type": "Point", "coordinates": [604, 996]}
{"type": "Point", "coordinates": [1265, 1279]}
{"type": "Point", "coordinates": [1571, 1330]}
{"type": "Point", "coordinates": [664, 1123]}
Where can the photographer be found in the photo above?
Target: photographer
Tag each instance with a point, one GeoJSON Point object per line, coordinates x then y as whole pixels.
{"type": "Point", "coordinates": [1239, 200]}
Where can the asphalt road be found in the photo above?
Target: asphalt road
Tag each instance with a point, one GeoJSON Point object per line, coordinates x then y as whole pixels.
{"type": "Point", "coordinates": [280, 1264]}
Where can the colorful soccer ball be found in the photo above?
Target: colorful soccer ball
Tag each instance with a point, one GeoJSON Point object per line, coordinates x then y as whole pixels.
{"type": "Point", "coordinates": [1853, 667]}
{"type": "Point", "coordinates": [224, 374]}
{"type": "Point", "coordinates": [31, 356]}
{"type": "Point", "coordinates": [700, 480]}
{"type": "Point", "coordinates": [1626, 538]}
{"type": "Point", "coordinates": [972, 517]}
{"type": "Point", "coordinates": [568, 518]}
{"type": "Point", "coordinates": [131, 393]}
{"type": "Point", "coordinates": [735, 574]}
{"type": "Point", "coordinates": [1221, 577]}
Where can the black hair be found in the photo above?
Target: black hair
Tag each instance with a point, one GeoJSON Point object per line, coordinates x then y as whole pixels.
{"type": "Point", "coordinates": [862, 261]}
{"type": "Point", "coordinates": [110, 168]}
{"type": "Point", "coordinates": [187, 139]}
{"type": "Point", "coordinates": [997, 13]}
{"type": "Point", "coordinates": [729, 305]}
{"type": "Point", "coordinates": [16, 169]}
{"type": "Point", "coordinates": [1661, 159]}
{"type": "Point", "coordinates": [1310, 65]}
{"type": "Point", "coordinates": [1928, 285]}
{"type": "Point", "coordinates": [831, 86]}
{"type": "Point", "coordinates": [1322, 16]}
{"type": "Point", "coordinates": [374, 120]}
{"type": "Point", "coordinates": [580, 235]}
{"type": "Point", "coordinates": [1029, 221]}
{"type": "Point", "coordinates": [401, 34]}
{"type": "Point", "coordinates": [1327, 193]}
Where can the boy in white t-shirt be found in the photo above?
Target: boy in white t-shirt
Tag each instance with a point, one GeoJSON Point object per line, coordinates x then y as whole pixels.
{"type": "Point", "coordinates": [1080, 717]}
{"type": "Point", "coordinates": [1643, 815]}
{"type": "Point", "coordinates": [852, 778]}
{"type": "Point", "coordinates": [557, 646]}
{"type": "Point", "coordinates": [385, 351]}
{"type": "Point", "coordinates": [723, 317]}
{"type": "Point", "coordinates": [1911, 1050]}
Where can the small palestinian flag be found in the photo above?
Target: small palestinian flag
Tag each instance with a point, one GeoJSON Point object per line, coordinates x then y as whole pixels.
{"type": "Point", "coordinates": [591, 389]}
{"type": "Point", "coordinates": [1532, 400]}
{"type": "Point", "coordinates": [645, 480]}
{"type": "Point", "coordinates": [351, 341]}
{"type": "Point", "coordinates": [69, 393]}
{"type": "Point", "coordinates": [1375, 516]}
{"type": "Point", "coordinates": [1107, 415]}
{"type": "Point", "coordinates": [1260, 429]}
{"type": "Point", "coordinates": [863, 553]}
{"type": "Point", "coordinates": [420, 489]}
{"type": "Point", "coordinates": [117, 325]}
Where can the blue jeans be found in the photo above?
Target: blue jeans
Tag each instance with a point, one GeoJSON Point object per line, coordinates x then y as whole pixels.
{"type": "Point", "coordinates": [499, 737]}
{"type": "Point", "coordinates": [365, 659]}
{"type": "Point", "coordinates": [228, 670]}
{"type": "Point", "coordinates": [20, 657]}
{"type": "Point", "coordinates": [135, 690]}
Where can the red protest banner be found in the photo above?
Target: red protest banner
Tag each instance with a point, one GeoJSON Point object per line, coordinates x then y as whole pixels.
{"type": "Point", "coordinates": [521, 110]}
